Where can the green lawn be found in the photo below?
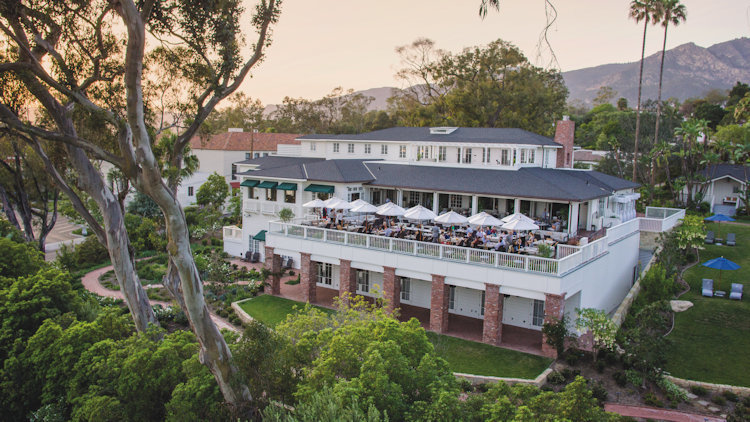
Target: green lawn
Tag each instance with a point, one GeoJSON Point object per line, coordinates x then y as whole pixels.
{"type": "Point", "coordinates": [470, 357]}
{"type": "Point", "coordinates": [462, 355]}
{"type": "Point", "coordinates": [272, 310]}
{"type": "Point", "coordinates": [711, 340]}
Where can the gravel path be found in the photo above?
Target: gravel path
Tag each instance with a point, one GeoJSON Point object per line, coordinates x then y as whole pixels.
{"type": "Point", "coordinates": [658, 414]}
{"type": "Point", "coordinates": [91, 283]}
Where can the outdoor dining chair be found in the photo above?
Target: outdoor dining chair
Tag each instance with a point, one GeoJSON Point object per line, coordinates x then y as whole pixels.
{"type": "Point", "coordinates": [731, 239]}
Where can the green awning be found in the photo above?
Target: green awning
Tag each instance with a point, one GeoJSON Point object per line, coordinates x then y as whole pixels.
{"type": "Point", "coordinates": [250, 183]}
{"type": "Point", "coordinates": [261, 236]}
{"type": "Point", "coordinates": [287, 186]}
{"type": "Point", "coordinates": [268, 185]}
{"type": "Point", "coordinates": [320, 188]}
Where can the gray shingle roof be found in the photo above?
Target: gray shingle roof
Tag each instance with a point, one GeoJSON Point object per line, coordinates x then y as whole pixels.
{"type": "Point", "coordinates": [535, 183]}
{"type": "Point", "coordinates": [461, 135]}
{"type": "Point", "coordinates": [270, 161]}
{"type": "Point", "coordinates": [722, 170]}
{"type": "Point", "coordinates": [312, 169]}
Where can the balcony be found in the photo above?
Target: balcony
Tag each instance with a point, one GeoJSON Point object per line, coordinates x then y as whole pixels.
{"type": "Point", "coordinates": [269, 208]}
{"type": "Point", "coordinates": [658, 220]}
{"type": "Point", "coordinates": [569, 257]}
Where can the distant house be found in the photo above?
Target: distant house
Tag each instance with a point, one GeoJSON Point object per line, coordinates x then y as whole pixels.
{"type": "Point", "coordinates": [218, 153]}
{"type": "Point", "coordinates": [587, 158]}
{"type": "Point", "coordinates": [188, 188]}
{"type": "Point", "coordinates": [724, 186]}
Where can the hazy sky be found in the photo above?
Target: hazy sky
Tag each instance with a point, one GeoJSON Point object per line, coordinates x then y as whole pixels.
{"type": "Point", "coordinates": [321, 44]}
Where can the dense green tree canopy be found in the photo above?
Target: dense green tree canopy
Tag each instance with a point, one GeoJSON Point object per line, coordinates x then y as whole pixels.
{"type": "Point", "coordinates": [213, 191]}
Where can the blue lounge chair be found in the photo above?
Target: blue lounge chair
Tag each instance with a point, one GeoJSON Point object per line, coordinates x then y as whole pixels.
{"type": "Point", "coordinates": [708, 287]}
{"type": "Point", "coordinates": [736, 292]}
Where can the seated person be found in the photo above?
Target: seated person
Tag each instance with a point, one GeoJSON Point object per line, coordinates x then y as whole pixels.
{"type": "Point", "coordinates": [477, 242]}
{"type": "Point", "coordinates": [388, 232]}
{"type": "Point", "coordinates": [419, 236]}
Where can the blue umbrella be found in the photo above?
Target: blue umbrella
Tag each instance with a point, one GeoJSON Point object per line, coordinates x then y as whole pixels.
{"type": "Point", "coordinates": [719, 218]}
{"type": "Point", "coordinates": [720, 264]}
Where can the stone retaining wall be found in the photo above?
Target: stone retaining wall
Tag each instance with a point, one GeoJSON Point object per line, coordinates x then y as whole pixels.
{"type": "Point", "coordinates": [716, 388]}
{"type": "Point", "coordinates": [244, 317]}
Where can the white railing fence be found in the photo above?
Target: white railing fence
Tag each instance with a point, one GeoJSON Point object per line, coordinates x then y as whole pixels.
{"type": "Point", "coordinates": [568, 257]}
{"type": "Point", "coordinates": [659, 220]}
{"type": "Point", "coordinates": [232, 232]}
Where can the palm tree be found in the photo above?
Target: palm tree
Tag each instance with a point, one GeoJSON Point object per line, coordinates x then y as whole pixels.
{"type": "Point", "coordinates": [668, 11]}
{"type": "Point", "coordinates": [640, 10]}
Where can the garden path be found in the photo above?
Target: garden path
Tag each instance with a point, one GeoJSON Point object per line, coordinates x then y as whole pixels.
{"type": "Point", "coordinates": [91, 283]}
{"type": "Point", "coordinates": [658, 414]}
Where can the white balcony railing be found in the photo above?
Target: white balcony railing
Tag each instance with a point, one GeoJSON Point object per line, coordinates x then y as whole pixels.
{"type": "Point", "coordinates": [232, 233]}
{"type": "Point", "coordinates": [569, 257]}
{"type": "Point", "coordinates": [269, 208]}
{"type": "Point", "coordinates": [659, 220]}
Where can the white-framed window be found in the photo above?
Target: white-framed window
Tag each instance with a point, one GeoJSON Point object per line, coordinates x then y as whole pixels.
{"type": "Point", "coordinates": [363, 280]}
{"type": "Point", "coordinates": [538, 316]}
{"type": "Point", "coordinates": [415, 197]}
{"type": "Point", "coordinates": [190, 191]}
{"type": "Point", "coordinates": [256, 155]}
{"type": "Point", "coordinates": [250, 193]}
{"type": "Point", "coordinates": [335, 147]}
{"type": "Point", "coordinates": [423, 153]}
{"type": "Point", "coordinates": [405, 288]}
{"type": "Point", "coordinates": [455, 201]}
{"type": "Point", "coordinates": [312, 146]}
{"type": "Point", "coordinates": [458, 151]}
{"type": "Point", "coordinates": [324, 273]}
{"type": "Point", "coordinates": [481, 305]}
{"type": "Point", "coordinates": [402, 151]}
{"type": "Point", "coordinates": [523, 156]}
{"type": "Point", "coordinates": [253, 245]}
{"type": "Point", "coordinates": [505, 157]}
{"type": "Point", "coordinates": [485, 155]}
{"type": "Point", "coordinates": [350, 148]}
{"type": "Point", "coordinates": [532, 153]}
{"type": "Point", "coordinates": [368, 148]}
{"type": "Point", "coordinates": [354, 193]}
{"type": "Point", "coordinates": [467, 155]}
{"type": "Point", "coordinates": [441, 153]}
{"type": "Point", "coordinates": [247, 155]}
{"type": "Point", "coordinates": [452, 298]}
{"type": "Point", "coordinates": [384, 149]}
{"type": "Point", "coordinates": [234, 170]}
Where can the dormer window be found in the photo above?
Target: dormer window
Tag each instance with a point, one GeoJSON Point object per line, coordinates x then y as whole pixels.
{"type": "Point", "coordinates": [443, 130]}
{"type": "Point", "coordinates": [350, 148]}
{"type": "Point", "coordinates": [335, 147]}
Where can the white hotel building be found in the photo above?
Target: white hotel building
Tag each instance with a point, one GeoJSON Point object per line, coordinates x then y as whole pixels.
{"type": "Point", "coordinates": [499, 298]}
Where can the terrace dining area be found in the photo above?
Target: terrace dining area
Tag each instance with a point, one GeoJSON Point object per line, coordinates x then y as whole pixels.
{"type": "Point", "coordinates": [515, 233]}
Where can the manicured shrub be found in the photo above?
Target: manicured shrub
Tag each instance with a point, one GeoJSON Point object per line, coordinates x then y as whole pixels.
{"type": "Point", "coordinates": [651, 400]}
{"type": "Point", "coordinates": [598, 391]}
{"type": "Point", "coordinates": [698, 390]}
{"type": "Point", "coordinates": [730, 395]}
{"type": "Point", "coordinates": [556, 378]}
{"type": "Point", "coordinates": [634, 377]}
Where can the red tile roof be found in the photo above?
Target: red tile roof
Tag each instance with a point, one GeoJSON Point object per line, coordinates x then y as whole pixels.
{"type": "Point", "coordinates": [240, 141]}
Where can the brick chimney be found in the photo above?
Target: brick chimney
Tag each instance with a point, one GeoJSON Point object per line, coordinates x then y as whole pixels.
{"type": "Point", "coordinates": [564, 134]}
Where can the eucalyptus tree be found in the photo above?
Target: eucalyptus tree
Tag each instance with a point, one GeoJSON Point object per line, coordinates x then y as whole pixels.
{"type": "Point", "coordinates": [95, 60]}
{"type": "Point", "coordinates": [640, 10]}
{"type": "Point", "coordinates": [667, 11]}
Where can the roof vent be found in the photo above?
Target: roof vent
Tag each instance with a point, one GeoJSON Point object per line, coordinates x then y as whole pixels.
{"type": "Point", "coordinates": [442, 130]}
{"type": "Point", "coordinates": [235, 129]}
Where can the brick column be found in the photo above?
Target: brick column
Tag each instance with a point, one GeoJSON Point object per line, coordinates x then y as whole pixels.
{"type": "Point", "coordinates": [273, 264]}
{"type": "Point", "coordinates": [308, 277]}
{"type": "Point", "coordinates": [492, 328]}
{"type": "Point", "coordinates": [391, 288]}
{"type": "Point", "coordinates": [554, 308]}
{"type": "Point", "coordinates": [439, 298]}
{"type": "Point", "coordinates": [347, 278]}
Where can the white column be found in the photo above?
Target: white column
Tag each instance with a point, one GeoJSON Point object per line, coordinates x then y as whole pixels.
{"type": "Point", "coordinates": [517, 205]}
{"type": "Point", "coordinates": [460, 155]}
{"type": "Point", "coordinates": [474, 204]}
{"type": "Point", "coordinates": [573, 218]}
{"type": "Point", "coordinates": [399, 197]}
{"type": "Point", "coordinates": [435, 202]}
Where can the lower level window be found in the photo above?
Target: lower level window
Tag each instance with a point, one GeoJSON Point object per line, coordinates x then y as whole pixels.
{"type": "Point", "coordinates": [452, 298]}
{"type": "Point", "coordinates": [538, 317]}
{"type": "Point", "coordinates": [324, 273]}
{"type": "Point", "coordinates": [481, 308]}
{"type": "Point", "coordinates": [254, 245]}
{"type": "Point", "coordinates": [363, 281]}
{"type": "Point", "coordinates": [405, 288]}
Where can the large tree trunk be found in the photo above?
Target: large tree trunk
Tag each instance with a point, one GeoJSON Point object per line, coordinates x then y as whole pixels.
{"type": "Point", "coordinates": [118, 244]}
{"type": "Point", "coordinates": [10, 212]}
{"type": "Point", "coordinates": [638, 106]}
{"type": "Point", "coordinates": [661, 75]}
{"type": "Point", "coordinates": [214, 352]}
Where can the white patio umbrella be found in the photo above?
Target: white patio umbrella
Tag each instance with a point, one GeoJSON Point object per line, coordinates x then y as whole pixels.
{"type": "Point", "coordinates": [516, 216]}
{"type": "Point", "coordinates": [336, 203]}
{"type": "Point", "coordinates": [315, 203]}
{"type": "Point", "coordinates": [357, 202]}
{"type": "Point", "coordinates": [520, 225]}
{"type": "Point", "coordinates": [390, 210]}
{"type": "Point", "coordinates": [419, 213]}
{"type": "Point", "coordinates": [364, 208]}
{"type": "Point", "coordinates": [484, 219]}
{"type": "Point", "coordinates": [451, 217]}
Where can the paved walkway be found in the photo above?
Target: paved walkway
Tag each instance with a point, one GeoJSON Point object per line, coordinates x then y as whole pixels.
{"type": "Point", "coordinates": [658, 414]}
{"type": "Point", "coordinates": [91, 283]}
